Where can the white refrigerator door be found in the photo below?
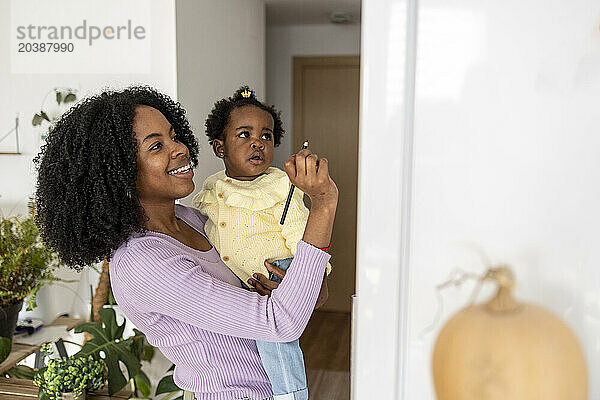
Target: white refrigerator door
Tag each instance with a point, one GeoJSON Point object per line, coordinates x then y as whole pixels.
{"type": "Point", "coordinates": [479, 131]}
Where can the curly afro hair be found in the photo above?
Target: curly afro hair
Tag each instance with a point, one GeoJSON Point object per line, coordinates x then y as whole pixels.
{"type": "Point", "coordinates": [219, 116]}
{"type": "Point", "coordinates": [86, 197]}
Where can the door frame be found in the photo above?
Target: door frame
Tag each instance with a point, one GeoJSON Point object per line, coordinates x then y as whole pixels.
{"type": "Point", "coordinates": [300, 65]}
{"type": "Point", "coordinates": [379, 360]}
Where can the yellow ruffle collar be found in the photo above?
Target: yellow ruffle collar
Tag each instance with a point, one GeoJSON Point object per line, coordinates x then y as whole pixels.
{"type": "Point", "coordinates": [264, 192]}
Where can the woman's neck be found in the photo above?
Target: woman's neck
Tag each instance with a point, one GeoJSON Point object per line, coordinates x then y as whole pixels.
{"type": "Point", "coordinates": [161, 217]}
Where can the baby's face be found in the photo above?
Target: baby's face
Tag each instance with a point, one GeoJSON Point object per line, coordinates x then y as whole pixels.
{"type": "Point", "coordinates": [247, 148]}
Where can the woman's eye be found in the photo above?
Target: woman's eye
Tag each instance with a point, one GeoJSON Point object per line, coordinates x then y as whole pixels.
{"type": "Point", "coordinates": [175, 138]}
{"type": "Point", "coordinates": [156, 146]}
{"type": "Point", "coordinates": [244, 134]}
{"type": "Point", "coordinates": [267, 136]}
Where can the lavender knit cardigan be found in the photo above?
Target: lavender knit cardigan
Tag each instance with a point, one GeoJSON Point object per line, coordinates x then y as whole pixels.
{"type": "Point", "coordinates": [192, 307]}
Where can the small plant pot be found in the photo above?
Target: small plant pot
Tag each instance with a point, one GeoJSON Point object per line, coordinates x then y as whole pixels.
{"type": "Point", "coordinates": [73, 396]}
{"type": "Point", "coordinates": [8, 319]}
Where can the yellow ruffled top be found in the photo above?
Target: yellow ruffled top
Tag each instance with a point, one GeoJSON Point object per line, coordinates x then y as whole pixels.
{"type": "Point", "coordinates": [243, 220]}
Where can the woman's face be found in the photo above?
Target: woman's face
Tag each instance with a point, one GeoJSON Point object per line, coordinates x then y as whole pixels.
{"type": "Point", "coordinates": [247, 150]}
{"type": "Point", "coordinates": [164, 171]}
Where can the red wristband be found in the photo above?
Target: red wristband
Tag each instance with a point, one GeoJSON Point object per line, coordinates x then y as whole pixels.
{"type": "Point", "coordinates": [325, 248]}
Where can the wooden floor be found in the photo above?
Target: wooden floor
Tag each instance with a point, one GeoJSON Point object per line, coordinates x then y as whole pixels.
{"type": "Point", "coordinates": [326, 347]}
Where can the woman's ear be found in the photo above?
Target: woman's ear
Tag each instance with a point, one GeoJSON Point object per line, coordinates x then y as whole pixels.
{"type": "Point", "coordinates": [218, 148]}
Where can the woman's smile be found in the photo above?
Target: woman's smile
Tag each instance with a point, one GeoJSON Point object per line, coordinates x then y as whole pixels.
{"type": "Point", "coordinates": [185, 172]}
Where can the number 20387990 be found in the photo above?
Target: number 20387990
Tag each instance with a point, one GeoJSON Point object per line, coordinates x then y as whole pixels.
{"type": "Point", "coordinates": [45, 47]}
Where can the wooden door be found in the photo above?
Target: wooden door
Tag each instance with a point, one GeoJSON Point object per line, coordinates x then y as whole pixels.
{"type": "Point", "coordinates": [325, 111]}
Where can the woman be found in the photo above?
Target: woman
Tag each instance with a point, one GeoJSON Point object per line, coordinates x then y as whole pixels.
{"type": "Point", "coordinates": [109, 176]}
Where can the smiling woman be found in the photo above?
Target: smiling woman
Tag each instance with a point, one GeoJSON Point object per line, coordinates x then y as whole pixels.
{"type": "Point", "coordinates": [109, 176]}
{"type": "Point", "coordinates": [89, 163]}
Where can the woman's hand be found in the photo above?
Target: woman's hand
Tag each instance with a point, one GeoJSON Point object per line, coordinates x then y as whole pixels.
{"type": "Point", "coordinates": [311, 175]}
{"type": "Point", "coordinates": [264, 285]}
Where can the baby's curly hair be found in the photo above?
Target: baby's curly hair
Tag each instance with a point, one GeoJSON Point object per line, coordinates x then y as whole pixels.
{"type": "Point", "coordinates": [219, 116]}
{"type": "Point", "coordinates": [86, 197]}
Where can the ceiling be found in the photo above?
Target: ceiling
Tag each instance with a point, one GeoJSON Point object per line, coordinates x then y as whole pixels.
{"type": "Point", "coordinates": [300, 12]}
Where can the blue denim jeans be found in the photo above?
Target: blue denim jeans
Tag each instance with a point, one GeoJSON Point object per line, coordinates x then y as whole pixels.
{"type": "Point", "coordinates": [284, 362]}
{"type": "Point", "coordinates": [248, 398]}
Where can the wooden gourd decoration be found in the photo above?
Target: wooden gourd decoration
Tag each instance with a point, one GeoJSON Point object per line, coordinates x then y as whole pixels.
{"type": "Point", "coordinates": [508, 350]}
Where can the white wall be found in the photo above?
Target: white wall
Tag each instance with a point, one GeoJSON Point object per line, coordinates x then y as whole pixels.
{"type": "Point", "coordinates": [23, 94]}
{"type": "Point", "coordinates": [214, 48]}
{"type": "Point", "coordinates": [285, 42]}
{"type": "Point", "coordinates": [492, 144]}
{"type": "Point", "coordinates": [220, 47]}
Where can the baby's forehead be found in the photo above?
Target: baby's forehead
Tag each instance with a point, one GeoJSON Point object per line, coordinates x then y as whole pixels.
{"type": "Point", "coordinates": [251, 113]}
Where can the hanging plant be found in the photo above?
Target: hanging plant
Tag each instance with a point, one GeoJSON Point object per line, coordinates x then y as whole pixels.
{"type": "Point", "coordinates": [48, 117]}
{"type": "Point", "coordinates": [63, 96]}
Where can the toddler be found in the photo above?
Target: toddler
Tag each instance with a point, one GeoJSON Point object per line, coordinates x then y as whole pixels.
{"type": "Point", "coordinates": [244, 204]}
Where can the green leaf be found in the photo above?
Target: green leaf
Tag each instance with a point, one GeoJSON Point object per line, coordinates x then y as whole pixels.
{"type": "Point", "coordinates": [137, 346]}
{"type": "Point", "coordinates": [37, 120]}
{"type": "Point", "coordinates": [166, 385]}
{"type": "Point", "coordinates": [116, 379]}
{"type": "Point", "coordinates": [45, 116]}
{"type": "Point", "coordinates": [140, 346]}
{"type": "Point", "coordinates": [142, 382]}
{"type": "Point", "coordinates": [148, 353]}
{"type": "Point", "coordinates": [111, 297]}
{"type": "Point", "coordinates": [69, 98]}
{"type": "Point", "coordinates": [109, 320]}
{"type": "Point", "coordinates": [58, 97]}
{"type": "Point", "coordinates": [21, 372]}
{"type": "Point", "coordinates": [5, 347]}
{"type": "Point", "coordinates": [43, 396]}
{"type": "Point", "coordinates": [104, 339]}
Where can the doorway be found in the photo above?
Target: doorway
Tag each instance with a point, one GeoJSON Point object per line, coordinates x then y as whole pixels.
{"type": "Point", "coordinates": [325, 111]}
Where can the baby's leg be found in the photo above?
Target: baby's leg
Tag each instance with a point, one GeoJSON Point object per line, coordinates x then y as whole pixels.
{"type": "Point", "coordinates": [284, 362]}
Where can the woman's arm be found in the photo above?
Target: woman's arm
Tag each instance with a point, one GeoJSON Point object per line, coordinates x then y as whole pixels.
{"type": "Point", "coordinates": [323, 294]}
{"type": "Point", "coordinates": [155, 280]}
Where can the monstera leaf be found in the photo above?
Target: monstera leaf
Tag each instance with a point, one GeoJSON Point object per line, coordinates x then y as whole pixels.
{"type": "Point", "coordinates": [167, 385]}
{"type": "Point", "coordinates": [5, 347]}
{"type": "Point", "coordinates": [108, 339]}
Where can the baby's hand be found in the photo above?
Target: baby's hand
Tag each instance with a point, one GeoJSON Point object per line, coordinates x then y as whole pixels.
{"type": "Point", "coordinates": [262, 284]}
{"type": "Point", "coordinates": [311, 175]}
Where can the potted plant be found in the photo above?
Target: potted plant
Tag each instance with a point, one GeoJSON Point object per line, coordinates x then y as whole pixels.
{"type": "Point", "coordinates": [69, 378]}
{"type": "Point", "coordinates": [25, 265]}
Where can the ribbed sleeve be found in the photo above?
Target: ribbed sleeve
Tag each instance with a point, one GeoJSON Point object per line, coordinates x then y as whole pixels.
{"type": "Point", "coordinates": [160, 279]}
